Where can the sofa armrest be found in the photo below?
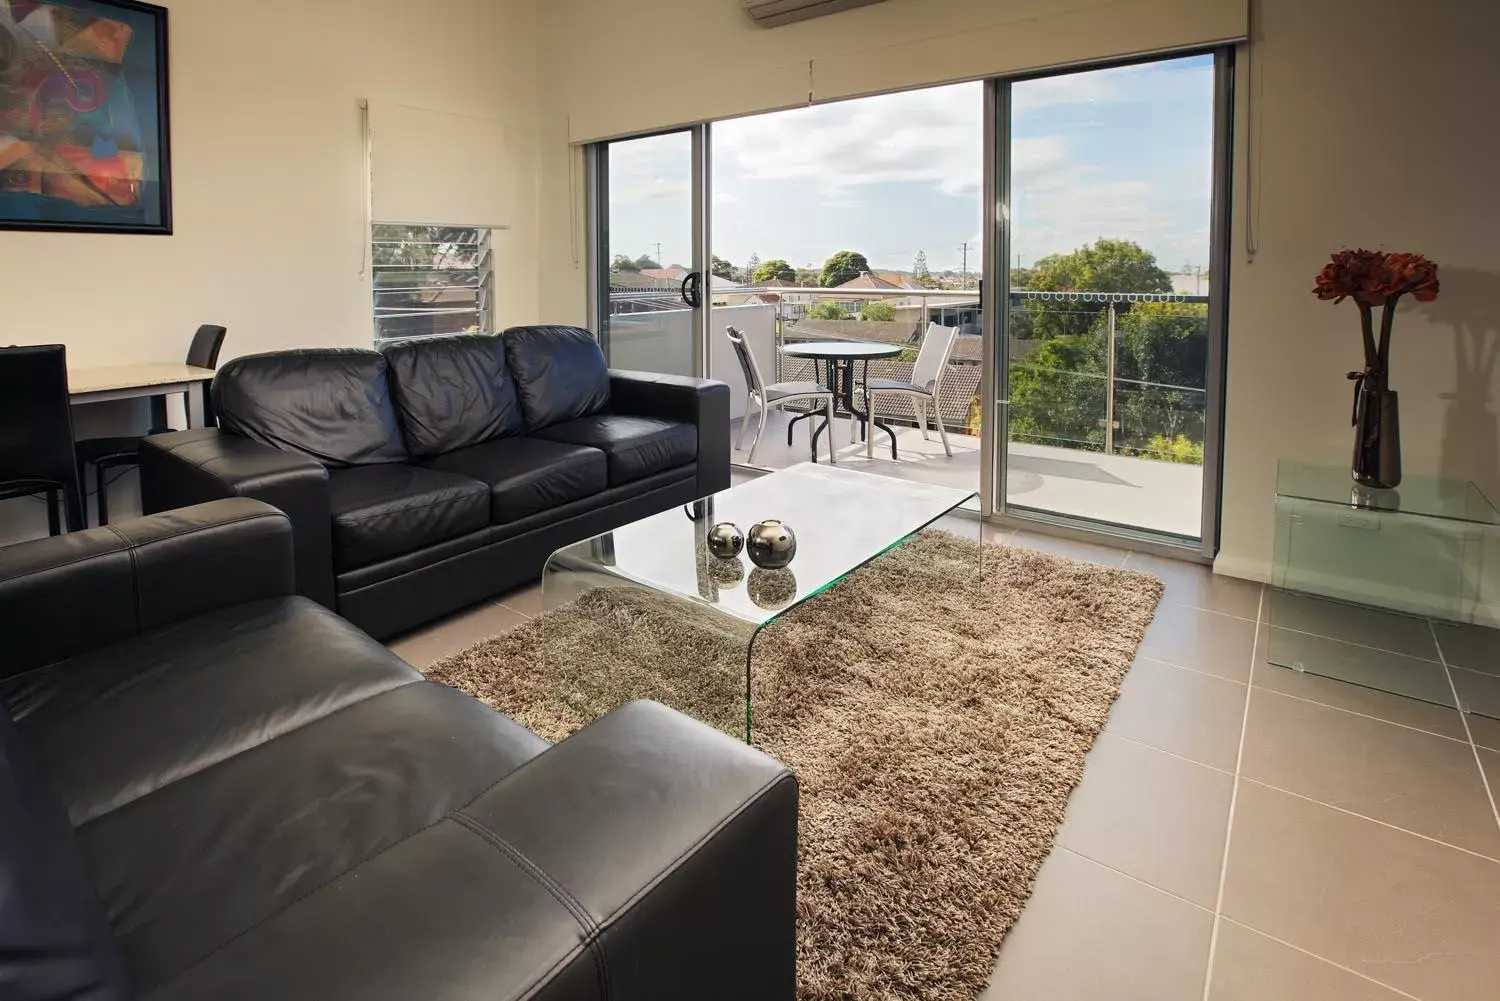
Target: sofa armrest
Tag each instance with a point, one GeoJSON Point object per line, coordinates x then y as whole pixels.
{"type": "Point", "coordinates": [191, 467]}
{"type": "Point", "coordinates": [674, 848]}
{"type": "Point", "coordinates": [702, 402]}
{"type": "Point", "coordinates": [70, 593]}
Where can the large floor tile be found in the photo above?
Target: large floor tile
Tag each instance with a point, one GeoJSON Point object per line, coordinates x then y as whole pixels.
{"type": "Point", "coordinates": [1189, 713]}
{"type": "Point", "coordinates": [1478, 693]}
{"type": "Point", "coordinates": [1490, 762]}
{"type": "Point", "coordinates": [446, 637]}
{"type": "Point", "coordinates": [1250, 967]}
{"type": "Point", "coordinates": [1153, 816]}
{"type": "Point", "coordinates": [1476, 648]}
{"type": "Point", "coordinates": [526, 600]}
{"type": "Point", "coordinates": [1411, 677]}
{"type": "Point", "coordinates": [1390, 773]}
{"type": "Point", "coordinates": [1371, 627]}
{"type": "Point", "coordinates": [1197, 585]}
{"type": "Point", "coordinates": [1204, 641]}
{"type": "Point", "coordinates": [1400, 909]}
{"type": "Point", "coordinates": [1486, 731]}
{"type": "Point", "coordinates": [1441, 720]}
{"type": "Point", "coordinates": [1089, 933]}
{"type": "Point", "coordinates": [1072, 548]}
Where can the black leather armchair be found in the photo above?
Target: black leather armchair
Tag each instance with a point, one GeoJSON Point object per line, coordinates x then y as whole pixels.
{"type": "Point", "coordinates": [272, 805]}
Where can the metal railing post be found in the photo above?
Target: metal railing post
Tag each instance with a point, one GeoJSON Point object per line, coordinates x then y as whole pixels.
{"type": "Point", "coordinates": [1109, 392]}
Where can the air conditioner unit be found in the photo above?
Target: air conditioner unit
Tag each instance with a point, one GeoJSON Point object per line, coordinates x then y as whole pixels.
{"type": "Point", "coordinates": [772, 13]}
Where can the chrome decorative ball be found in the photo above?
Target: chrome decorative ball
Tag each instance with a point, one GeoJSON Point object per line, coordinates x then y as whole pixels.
{"type": "Point", "coordinates": [725, 540]}
{"type": "Point", "coordinates": [771, 544]}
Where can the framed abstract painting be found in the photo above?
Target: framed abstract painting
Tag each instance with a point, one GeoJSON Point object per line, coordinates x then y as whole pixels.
{"type": "Point", "coordinates": [83, 116]}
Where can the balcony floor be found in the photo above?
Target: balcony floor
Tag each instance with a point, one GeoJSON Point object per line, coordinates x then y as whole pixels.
{"type": "Point", "coordinates": [1140, 493]}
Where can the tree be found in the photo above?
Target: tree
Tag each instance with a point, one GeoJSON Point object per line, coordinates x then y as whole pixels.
{"type": "Point", "coordinates": [843, 266]}
{"type": "Point", "coordinates": [879, 311]}
{"type": "Point", "coordinates": [920, 276]}
{"type": "Point", "coordinates": [828, 310]}
{"type": "Point", "coordinates": [721, 268]}
{"type": "Point", "coordinates": [772, 270]}
{"type": "Point", "coordinates": [623, 263]}
{"type": "Point", "coordinates": [807, 277]}
{"type": "Point", "coordinates": [646, 261]}
{"type": "Point", "coordinates": [1103, 266]}
{"type": "Point", "coordinates": [751, 266]}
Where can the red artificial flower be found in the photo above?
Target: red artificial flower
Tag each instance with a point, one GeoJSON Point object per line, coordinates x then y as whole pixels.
{"type": "Point", "coordinates": [1411, 273]}
{"type": "Point", "coordinates": [1357, 273]}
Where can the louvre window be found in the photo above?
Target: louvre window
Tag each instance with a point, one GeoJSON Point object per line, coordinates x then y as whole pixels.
{"type": "Point", "coordinates": [431, 280]}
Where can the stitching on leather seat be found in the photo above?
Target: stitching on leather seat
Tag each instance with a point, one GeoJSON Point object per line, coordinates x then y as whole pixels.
{"type": "Point", "coordinates": [592, 930]}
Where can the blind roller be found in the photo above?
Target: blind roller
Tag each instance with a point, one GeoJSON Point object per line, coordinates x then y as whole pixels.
{"type": "Point", "coordinates": [879, 49]}
{"type": "Point", "coordinates": [436, 168]}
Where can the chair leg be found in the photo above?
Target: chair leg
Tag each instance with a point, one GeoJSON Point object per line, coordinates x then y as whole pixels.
{"type": "Point", "coordinates": [54, 520]}
{"type": "Point", "coordinates": [101, 492]}
{"type": "Point", "coordinates": [937, 418]}
{"type": "Point", "coordinates": [739, 445]}
{"type": "Point", "coordinates": [833, 455]}
{"type": "Point", "coordinates": [921, 407]}
{"type": "Point", "coordinates": [869, 425]}
{"type": "Point", "coordinates": [759, 428]}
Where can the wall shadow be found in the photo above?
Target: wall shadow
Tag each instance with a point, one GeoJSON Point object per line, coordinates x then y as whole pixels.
{"type": "Point", "coordinates": [1470, 446]}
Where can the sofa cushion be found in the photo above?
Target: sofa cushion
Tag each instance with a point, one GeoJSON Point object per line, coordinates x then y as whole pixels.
{"type": "Point", "coordinates": [332, 404]}
{"type": "Point", "coordinates": [256, 754]}
{"type": "Point", "coordinates": [637, 447]}
{"type": "Point", "coordinates": [527, 475]}
{"type": "Point", "coordinates": [560, 373]}
{"type": "Point", "coordinates": [55, 939]}
{"type": "Point", "coordinates": [384, 511]}
{"type": "Point", "coordinates": [452, 392]}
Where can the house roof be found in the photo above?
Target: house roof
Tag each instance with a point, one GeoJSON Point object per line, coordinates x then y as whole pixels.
{"type": "Point", "coordinates": [665, 274]}
{"type": "Point", "coordinates": [638, 280]}
{"type": "Point", "coordinates": [869, 281]}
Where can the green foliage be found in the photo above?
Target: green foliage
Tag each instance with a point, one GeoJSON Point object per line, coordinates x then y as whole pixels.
{"type": "Point", "coordinates": [622, 262]}
{"type": "Point", "coordinates": [774, 269]}
{"type": "Point", "coordinates": [828, 310]}
{"type": "Point", "coordinates": [807, 277]}
{"type": "Point", "coordinates": [920, 275]}
{"type": "Point", "coordinates": [1102, 266]}
{"type": "Point", "coordinates": [1058, 394]}
{"type": "Point", "coordinates": [1178, 449]}
{"type": "Point", "coordinates": [878, 310]}
{"type": "Point", "coordinates": [722, 268]}
{"type": "Point", "coordinates": [843, 266]}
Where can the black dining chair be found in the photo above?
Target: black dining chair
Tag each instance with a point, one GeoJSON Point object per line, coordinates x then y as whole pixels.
{"type": "Point", "coordinates": [105, 454]}
{"type": "Point", "coordinates": [36, 432]}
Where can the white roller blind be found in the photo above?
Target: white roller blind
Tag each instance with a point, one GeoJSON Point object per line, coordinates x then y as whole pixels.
{"type": "Point", "coordinates": [436, 168]}
{"type": "Point", "coordinates": [735, 70]}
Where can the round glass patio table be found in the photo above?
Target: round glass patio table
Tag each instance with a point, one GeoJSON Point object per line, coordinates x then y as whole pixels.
{"type": "Point", "coordinates": [838, 359]}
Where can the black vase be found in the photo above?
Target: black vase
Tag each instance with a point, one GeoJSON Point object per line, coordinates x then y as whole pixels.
{"type": "Point", "coordinates": [1377, 436]}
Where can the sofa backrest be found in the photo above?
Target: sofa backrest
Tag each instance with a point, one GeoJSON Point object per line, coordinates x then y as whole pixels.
{"type": "Point", "coordinates": [452, 392]}
{"type": "Point", "coordinates": [560, 373]}
{"type": "Point", "coordinates": [333, 404]}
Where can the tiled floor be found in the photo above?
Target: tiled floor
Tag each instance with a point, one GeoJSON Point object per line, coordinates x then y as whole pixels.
{"type": "Point", "coordinates": [1244, 832]}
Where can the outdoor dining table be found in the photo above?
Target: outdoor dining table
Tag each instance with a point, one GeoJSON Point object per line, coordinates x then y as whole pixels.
{"type": "Point", "coordinates": [838, 358]}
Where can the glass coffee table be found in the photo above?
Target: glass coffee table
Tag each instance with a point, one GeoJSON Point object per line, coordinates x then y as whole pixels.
{"type": "Point", "coordinates": [647, 611]}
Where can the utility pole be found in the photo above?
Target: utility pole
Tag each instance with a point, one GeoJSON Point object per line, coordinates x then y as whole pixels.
{"type": "Point", "coordinates": [657, 258]}
{"type": "Point", "coordinates": [965, 272]}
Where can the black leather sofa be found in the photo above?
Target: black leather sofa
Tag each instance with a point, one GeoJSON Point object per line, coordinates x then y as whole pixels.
{"type": "Point", "coordinates": [433, 474]}
{"type": "Point", "coordinates": [211, 788]}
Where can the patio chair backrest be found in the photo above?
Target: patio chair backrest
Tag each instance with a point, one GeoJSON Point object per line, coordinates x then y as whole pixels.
{"type": "Point", "coordinates": [932, 357]}
{"type": "Point", "coordinates": [747, 360]}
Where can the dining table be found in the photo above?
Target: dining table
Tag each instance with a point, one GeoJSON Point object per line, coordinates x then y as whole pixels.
{"type": "Point", "coordinates": [838, 359]}
{"type": "Point", "coordinates": [156, 381]}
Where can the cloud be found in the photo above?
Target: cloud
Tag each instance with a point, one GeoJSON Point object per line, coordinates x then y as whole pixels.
{"type": "Point", "coordinates": [931, 137]}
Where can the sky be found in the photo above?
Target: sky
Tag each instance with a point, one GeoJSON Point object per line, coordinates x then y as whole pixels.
{"type": "Point", "coordinates": [1123, 152]}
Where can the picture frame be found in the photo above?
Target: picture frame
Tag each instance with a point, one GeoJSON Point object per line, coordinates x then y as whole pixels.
{"type": "Point", "coordinates": [85, 118]}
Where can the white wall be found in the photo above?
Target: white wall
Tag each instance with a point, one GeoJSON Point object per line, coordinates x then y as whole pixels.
{"type": "Point", "coordinates": [1375, 124]}
{"type": "Point", "coordinates": [269, 187]}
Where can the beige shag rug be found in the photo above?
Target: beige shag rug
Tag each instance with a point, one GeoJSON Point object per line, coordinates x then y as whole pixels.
{"type": "Point", "coordinates": [936, 732]}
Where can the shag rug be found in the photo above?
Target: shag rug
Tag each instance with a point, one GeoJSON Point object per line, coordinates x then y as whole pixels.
{"type": "Point", "coordinates": [936, 732]}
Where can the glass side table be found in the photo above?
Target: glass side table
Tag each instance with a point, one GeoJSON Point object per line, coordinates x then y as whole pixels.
{"type": "Point", "coordinates": [1397, 590]}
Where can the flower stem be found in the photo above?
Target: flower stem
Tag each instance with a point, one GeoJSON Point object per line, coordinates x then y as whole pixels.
{"type": "Point", "coordinates": [1367, 329]}
{"type": "Point", "coordinates": [1387, 320]}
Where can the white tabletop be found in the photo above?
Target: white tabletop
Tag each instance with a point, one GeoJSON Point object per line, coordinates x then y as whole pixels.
{"type": "Point", "coordinates": [110, 378]}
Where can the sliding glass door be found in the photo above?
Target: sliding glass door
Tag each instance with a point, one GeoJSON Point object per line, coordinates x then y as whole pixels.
{"type": "Point", "coordinates": [1109, 350]}
{"type": "Point", "coordinates": [649, 289]}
